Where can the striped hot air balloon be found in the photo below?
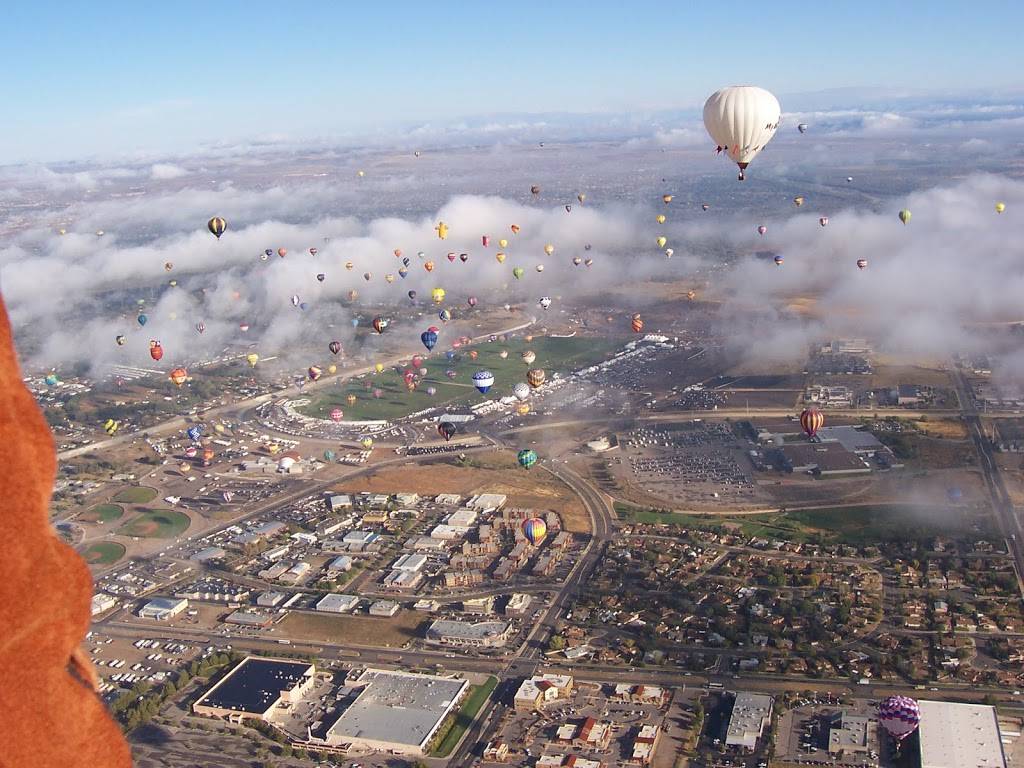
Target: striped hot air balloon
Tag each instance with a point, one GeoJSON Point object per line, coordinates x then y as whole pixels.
{"type": "Point", "coordinates": [535, 377]}
{"type": "Point", "coordinates": [811, 420]}
{"type": "Point", "coordinates": [217, 226]}
{"type": "Point", "coordinates": [534, 529]}
{"type": "Point", "coordinates": [638, 323]}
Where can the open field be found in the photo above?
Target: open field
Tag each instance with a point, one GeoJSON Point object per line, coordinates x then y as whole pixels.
{"type": "Point", "coordinates": [920, 451]}
{"type": "Point", "coordinates": [490, 473]}
{"type": "Point", "coordinates": [360, 630]}
{"type": "Point", "coordinates": [475, 698]}
{"type": "Point", "coordinates": [893, 375]}
{"type": "Point", "coordinates": [102, 552]}
{"type": "Point", "coordinates": [156, 524]}
{"type": "Point", "coordinates": [139, 495]}
{"type": "Point", "coordinates": [855, 524]}
{"type": "Point", "coordinates": [553, 355]}
{"type": "Point", "coordinates": [948, 429]}
{"type": "Point", "coordinates": [101, 513]}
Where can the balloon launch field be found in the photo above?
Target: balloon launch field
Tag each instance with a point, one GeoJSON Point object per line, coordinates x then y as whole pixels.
{"type": "Point", "coordinates": [554, 355]}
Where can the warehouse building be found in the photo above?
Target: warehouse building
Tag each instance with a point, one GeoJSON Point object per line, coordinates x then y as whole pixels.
{"type": "Point", "coordinates": [337, 603]}
{"type": "Point", "coordinates": [396, 711]}
{"type": "Point", "coordinates": [257, 688]}
{"type": "Point", "coordinates": [959, 736]}
{"type": "Point", "coordinates": [163, 608]}
{"type": "Point", "coordinates": [751, 713]}
{"type": "Point", "coordinates": [464, 634]}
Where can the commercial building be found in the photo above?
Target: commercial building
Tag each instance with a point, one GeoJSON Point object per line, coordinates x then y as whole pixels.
{"type": "Point", "coordinates": [247, 619]}
{"type": "Point", "coordinates": [207, 555]}
{"type": "Point", "coordinates": [102, 602]}
{"type": "Point", "coordinates": [337, 603]}
{"type": "Point", "coordinates": [400, 580]}
{"type": "Point", "coordinates": [395, 711]}
{"type": "Point", "coordinates": [385, 608]}
{"type": "Point", "coordinates": [464, 634]}
{"type": "Point", "coordinates": [535, 692]}
{"type": "Point", "coordinates": [163, 608]}
{"type": "Point", "coordinates": [257, 688]}
{"type": "Point", "coordinates": [518, 603]}
{"type": "Point", "coordinates": [340, 563]}
{"type": "Point", "coordinates": [644, 744]}
{"type": "Point", "coordinates": [409, 563]}
{"type": "Point", "coordinates": [751, 713]}
{"type": "Point", "coordinates": [959, 736]}
{"type": "Point", "coordinates": [480, 606]}
{"type": "Point", "coordinates": [360, 537]}
{"type": "Point", "coordinates": [825, 459]}
{"type": "Point", "coordinates": [852, 735]}
{"type": "Point", "coordinates": [270, 599]}
{"type": "Point", "coordinates": [296, 573]}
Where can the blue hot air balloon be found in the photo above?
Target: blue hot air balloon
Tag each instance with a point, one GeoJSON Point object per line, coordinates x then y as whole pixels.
{"type": "Point", "coordinates": [483, 380]}
{"type": "Point", "coordinates": [143, 319]}
{"type": "Point", "coordinates": [429, 338]}
{"type": "Point", "coordinates": [194, 433]}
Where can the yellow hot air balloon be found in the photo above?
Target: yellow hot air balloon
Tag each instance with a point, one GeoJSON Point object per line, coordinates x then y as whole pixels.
{"type": "Point", "coordinates": [581, 197]}
{"type": "Point", "coordinates": [442, 230]}
{"type": "Point", "coordinates": [62, 231]}
{"type": "Point", "coordinates": [349, 265]}
{"type": "Point", "coordinates": [360, 174]}
{"type": "Point", "coordinates": [1000, 207]}
{"type": "Point", "coordinates": [389, 278]}
{"type": "Point", "coordinates": [660, 218]}
{"type": "Point", "coordinates": [798, 200]}
{"type": "Point", "coordinates": [503, 243]}
{"type": "Point", "coordinates": [437, 295]}
{"type": "Point", "coordinates": [905, 216]}
{"type": "Point", "coordinates": [379, 367]}
{"type": "Point", "coordinates": [549, 249]}
{"type": "Point", "coordinates": [662, 241]}
{"type": "Point", "coordinates": [500, 256]}
{"type": "Point", "coordinates": [332, 369]}
{"type": "Point", "coordinates": [252, 358]}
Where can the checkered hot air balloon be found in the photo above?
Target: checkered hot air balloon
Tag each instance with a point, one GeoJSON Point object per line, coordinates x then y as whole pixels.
{"type": "Point", "coordinates": [527, 458]}
{"type": "Point", "coordinates": [899, 716]}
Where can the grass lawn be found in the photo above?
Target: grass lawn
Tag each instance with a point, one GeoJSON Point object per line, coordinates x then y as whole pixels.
{"type": "Point", "coordinates": [156, 524]}
{"type": "Point", "coordinates": [102, 552]}
{"type": "Point", "coordinates": [474, 700]}
{"type": "Point", "coordinates": [102, 513]}
{"type": "Point", "coordinates": [861, 524]}
{"type": "Point", "coordinates": [139, 495]}
{"type": "Point", "coordinates": [361, 630]}
{"type": "Point", "coordinates": [553, 355]}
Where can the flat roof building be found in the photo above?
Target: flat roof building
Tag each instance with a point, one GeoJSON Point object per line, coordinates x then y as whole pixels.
{"type": "Point", "coordinates": [340, 563]}
{"type": "Point", "coordinates": [464, 634]}
{"type": "Point", "coordinates": [852, 735]}
{"type": "Point", "coordinates": [409, 563]}
{"type": "Point", "coordinates": [535, 692]}
{"type": "Point", "coordinates": [959, 736]}
{"type": "Point", "coordinates": [163, 608]}
{"type": "Point", "coordinates": [751, 713]}
{"type": "Point", "coordinates": [397, 711]}
{"type": "Point", "coordinates": [337, 603]}
{"type": "Point", "coordinates": [256, 687]}
{"type": "Point", "coordinates": [384, 608]}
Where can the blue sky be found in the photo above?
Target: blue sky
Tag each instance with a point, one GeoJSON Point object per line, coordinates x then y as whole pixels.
{"type": "Point", "coordinates": [113, 78]}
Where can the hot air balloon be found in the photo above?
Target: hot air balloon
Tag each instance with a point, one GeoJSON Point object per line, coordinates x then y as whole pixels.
{"type": "Point", "coordinates": [576, 261]}
{"type": "Point", "coordinates": [899, 716]}
{"type": "Point", "coordinates": [798, 200]}
{"type": "Point", "coordinates": [529, 356]}
{"type": "Point", "coordinates": [252, 358]}
{"type": "Point", "coordinates": [313, 251]}
{"type": "Point", "coordinates": [208, 455]}
{"type": "Point", "coordinates": [514, 228]}
{"type": "Point", "coordinates": [194, 433]}
{"type": "Point", "coordinates": [587, 262]}
{"type": "Point", "coordinates": [811, 420]}
{"type": "Point", "coordinates": [429, 266]}
{"type": "Point", "coordinates": [446, 429]}
{"type": "Point", "coordinates": [761, 230]}
{"type": "Point", "coordinates": [503, 243]}
{"type": "Point", "coordinates": [243, 327]}
{"type": "Point", "coordinates": [778, 260]}
{"type": "Point", "coordinates": [463, 257]}
{"type": "Point", "coordinates": [367, 276]}
{"type": "Point", "coordinates": [378, 367]}
{"type": "Point", "coordinates": [483, 380]}
{"type": "Point", "coordinates": [518, 272]}
{"type": "Point", "coordinates": [366, 443]}
{"type": "Point", "coordinates": [704, 206]}
{"type": "Point", "coordinates": [142, 319]}
{"type": "Point", "coordinates": [349, 265]}
{"type": "Point", "coordinates": [353, 295]}
{"type": "Point", "coordinates": [545, 302]}
{"type": "Point", "coordinates": [179, 376]}
{"type": "Point", "coordinates": [905, 216]}
{"type": "Point", "coordinates": [156, 351]}
{"type": "Point", "coordinates": [526, 458]}
{"type": "Point", "coordinates": [521, 391]}
{"type": "Point", "coordinates": [568, 209]}
{"type": "Point", "coordinates": [389, 278]}
{"type": "Point", "coordinates": [549, 249]}
{"type": "Point", "coordinates": [1000, 207]}
{"type": "Point", "coordinates": [320, 276]}
{"type": "Point", "coordinates": [638, 323]}
{"type": "Point", "coordinates": [110, 426]}
{"type": "Point", "coordinates": [168, 266]}
{"type": "Point", "coordinates": [691, 295]}
{"type": "Point", "coordinates": [190, 452]}
{"type": "Point", "coordinates": [442, 230]}
{"type": "Point", "coordinates": [535, 377]}
{"type": "Point", "coordinates": [802, 127]}
{"type": "Point", "coordinates": [402, 272]}
{"type": "Point", "coordinates": [437, 295]}
{"type": "Point", "coordinates": [669, 253]}
{"type": "Point", "coordinates": [660, 218]}
{"type": "Point", "coordinates": [337, 414]}
{"type": "Point", "coordinates": [429, 338]}
{"type": "Point", "coordinates": [335, 347]}
{"type": "Point", "coordinates": [380, 323]}
{"type": "Point", "coordinates": [862, 263]}
{"type": "Point", "coordinates": [217, 225]}
{"type": "Point", "coordinates": [539, 267]}
{"type": "Point", "coordinates": [120, 339]}
{"type": "Point", "coordinates": [378, 393]}
{"type": "Point", "coordinates": [350, 399]}
{"type": "Point", "coordinates": [360, 174]}
{"type": "Point", "coordinates": [51, 379]}
{"type": "Point", "coordinates": [741, 120]}
{"type": "Point", "coordinates": [661, 241]}
{"type": "Point", "coordinates": [282, 252]}
{"type": "Point", "coordinates": [849, 179]}
{"type": "Point", "coordinates": [296, 300]}
{"type": "Point", "coordinates": [823, 221]}
{"type": "Point", "coordinates": [200, 326]}
{"type": "Point", "coordinates": [314, 373]}
{"type": "Point", "coordinates": [666, 199]}
{"type": "Point", "coordinates": [534, 528]}
{"type": "Point", "coordinates": [332, 369]}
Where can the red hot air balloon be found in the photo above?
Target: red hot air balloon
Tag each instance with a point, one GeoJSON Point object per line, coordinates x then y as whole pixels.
{"type": "Point", "coordinates": [156, 351]}
{"type": "Point", "coordinates": [811, 420]}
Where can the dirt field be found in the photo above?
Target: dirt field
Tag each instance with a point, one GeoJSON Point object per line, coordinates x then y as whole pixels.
{"type": "Point", "coordinates": [949, 429]}
{"type": "Point", "coordinates": [361, 630]}
{"type": "Point", "coordinates": [494, 473]}
{"type": "Point", "coordinates": [891, 375]}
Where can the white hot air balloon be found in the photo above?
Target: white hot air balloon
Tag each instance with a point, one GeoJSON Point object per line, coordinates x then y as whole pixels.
{"type": "Point", "coordinates": [742, 119]}
{"type": "Point", "coordinates": [521, 391]}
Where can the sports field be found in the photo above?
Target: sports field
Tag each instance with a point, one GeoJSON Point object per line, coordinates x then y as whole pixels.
{"type": "Point", "coordinates": [139, 495]}
{"type": "Point", "coordinates": [554, 355]}
{"type": "Point", "coordinates": [102, 552]}
{"type": "Point", "coordinates": [156, 524]}
{"type": "Point", "coordinates": [102, 513]}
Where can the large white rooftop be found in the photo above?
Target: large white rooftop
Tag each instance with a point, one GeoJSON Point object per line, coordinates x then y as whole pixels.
{"type": "Point", "coordinates": [959, 736]}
